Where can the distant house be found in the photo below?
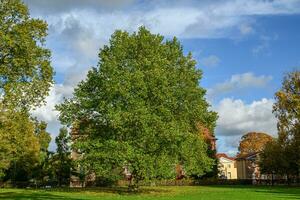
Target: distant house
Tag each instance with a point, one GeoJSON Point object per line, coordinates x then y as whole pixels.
{"type": "Point", "coordinates": [227, 166]}
{"type": "Point", "coordinates": [248, 167]}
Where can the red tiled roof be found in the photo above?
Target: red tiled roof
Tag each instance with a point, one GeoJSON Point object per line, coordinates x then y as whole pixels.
{"type": "Point", "coordinates": [224, 155]}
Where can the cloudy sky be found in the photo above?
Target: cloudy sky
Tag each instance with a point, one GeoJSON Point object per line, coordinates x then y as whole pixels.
{"type": "Point", "coordinates": [244, 48]}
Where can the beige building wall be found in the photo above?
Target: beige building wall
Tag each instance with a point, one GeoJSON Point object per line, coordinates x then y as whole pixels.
{"type": "Point", "coordinates": [242, 169]}
{"type": "Point", "coordinates": [227, 168]}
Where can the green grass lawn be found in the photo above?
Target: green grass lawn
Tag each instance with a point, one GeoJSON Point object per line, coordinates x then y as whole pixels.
{"type": "Point", "coordinates": [163, 193]}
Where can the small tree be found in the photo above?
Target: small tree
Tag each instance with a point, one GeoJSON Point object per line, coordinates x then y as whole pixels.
{"type": "Point", "coordinates": [272, 159]}
{"type": "Point", "coordinates": [62, 160]}
{"type": "Point", "coordinates": [140, 109]}
{"type": "Point", "coordinates": [19, 145]}
{"type": "Point", "coordinates": [42, 170]}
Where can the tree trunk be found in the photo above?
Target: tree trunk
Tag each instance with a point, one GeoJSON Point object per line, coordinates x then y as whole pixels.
{"type": "Point", "coordinates": [272, 179]}
{"type": "Point", "coordinates": [133, 184]}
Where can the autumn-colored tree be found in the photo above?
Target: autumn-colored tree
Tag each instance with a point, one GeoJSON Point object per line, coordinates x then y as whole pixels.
{"type": "Point", "coordinates": [253, 142]}
{"type": "Point", "coordinates": [283, 155]}
{"type": "Point", "coordinates": [287, 111]}
{"type": "Point", "coordinates": [287, 108]}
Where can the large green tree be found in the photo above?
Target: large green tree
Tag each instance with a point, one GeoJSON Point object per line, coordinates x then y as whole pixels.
{"type": "Point", "coordinates": [140, 108]}
{"type": "Point", "coordinates": [25, 70]}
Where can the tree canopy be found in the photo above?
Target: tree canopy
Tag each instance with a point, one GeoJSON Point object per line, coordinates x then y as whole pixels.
{"type": "Point", "coordinates": [140, 109]}
{"type": "Point", "coordinates": [25, 70]}
{"type": "Point", "coordinates": [287, 108]}
{"type": "Point", "coordinates": [253, 142]}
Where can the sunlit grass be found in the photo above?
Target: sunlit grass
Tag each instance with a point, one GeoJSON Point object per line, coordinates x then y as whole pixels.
{"type": "Point", "coordinates": [164, 193]}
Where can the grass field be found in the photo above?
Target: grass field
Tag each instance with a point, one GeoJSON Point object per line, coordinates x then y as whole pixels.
{"type": "Point", "coordinates": [163, 193]}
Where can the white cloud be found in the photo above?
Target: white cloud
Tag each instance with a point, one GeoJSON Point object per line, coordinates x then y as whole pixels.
{"type": "Point", "coordinates": [57, 93]}
{"type": "Point", "coordinates": [78, 29]}
{"type": "Point", "coordinates": [237, 82]}
{"type": "Point", "coordinates": [195, 19]}
{"type": "Point", "coordinates": [47, 7]}
{"type": "Point", "coordinates": [237, 118]}
{"type": "Point", "coordinates": [48, 113]}
{"type": "Point", "coordinates": [210, 61]}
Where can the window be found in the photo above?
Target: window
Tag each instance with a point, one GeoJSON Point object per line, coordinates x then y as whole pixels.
{"type": "Point", "coordinates": [229, 166]}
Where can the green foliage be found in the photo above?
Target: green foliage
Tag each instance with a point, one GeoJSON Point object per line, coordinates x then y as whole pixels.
{"type": "Point", "coordinates": [273, 159]}
{"type": "Point", "coordinates": [25, 70]}
{"type": "Point", "coordinates": [61, 161]}
{"type": "Point", "coordinates": [24, 147]}
{"type": "Point", "coordinates": [63, 142]}
{"type": "Point", "coordinates": [25, 79]}
{"type": "Point", "coordinates": [18, 143]}
{"type": "Point", "coordinates": [287, 108]}
{"type": "Point", "coordinates": [43, 136]}
{"type": "Point", "coordinates": [42, 170]}
{"type": "Point", "coordinates": [286, 150]}
{"type": "Point", "coordinates": [140, 109]}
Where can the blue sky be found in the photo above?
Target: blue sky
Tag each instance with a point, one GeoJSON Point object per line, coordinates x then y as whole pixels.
{"type": "Point", "coordinates": [272, 50]}
{"type": "Point", "coordinates": [243, 47]}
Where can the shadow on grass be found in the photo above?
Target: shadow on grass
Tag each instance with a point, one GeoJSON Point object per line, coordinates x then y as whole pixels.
{"type": "Point", "coordinates": [60, 193]}
{"type": "Point", "coordinates": [31, 195]}
{"type": "Point", "coordinates": [114, 190]}
{"type": "Point", "coordinates": [280, 192]}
